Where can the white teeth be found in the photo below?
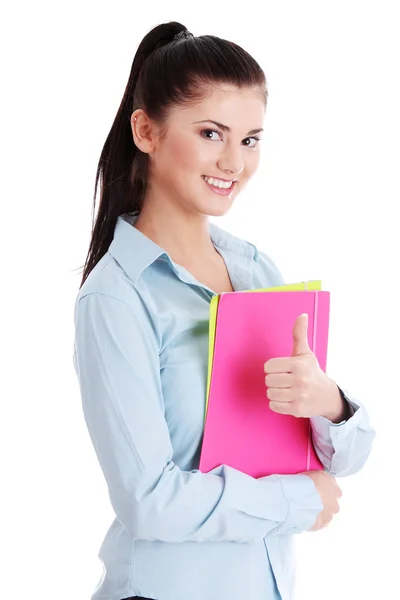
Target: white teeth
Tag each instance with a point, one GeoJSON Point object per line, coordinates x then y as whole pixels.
{"type": "Point", "coordinates": [218, 183]}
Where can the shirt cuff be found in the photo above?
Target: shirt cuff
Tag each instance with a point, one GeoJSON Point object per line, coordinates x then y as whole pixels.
{"type": "Point", "coordinates": [303, 500]}
{"type": "Point", "coordinates": [351, 406]}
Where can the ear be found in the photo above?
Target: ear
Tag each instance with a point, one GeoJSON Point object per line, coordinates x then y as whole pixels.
{"type": "Point", "coordinates": [143, 131]}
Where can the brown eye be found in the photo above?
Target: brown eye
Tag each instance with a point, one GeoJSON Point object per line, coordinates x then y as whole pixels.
{"type": "Point", "coordinates": [208, 133]}
{"type": "Point", "coordinates": [249, 139]}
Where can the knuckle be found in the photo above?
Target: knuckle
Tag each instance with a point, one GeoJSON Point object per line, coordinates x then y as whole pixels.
{"type": "Point", "coordinates": [274, 406]}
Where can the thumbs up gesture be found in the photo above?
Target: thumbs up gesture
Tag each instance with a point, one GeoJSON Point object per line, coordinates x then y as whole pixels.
{"type": "Point", "coordinates": [297, 385]}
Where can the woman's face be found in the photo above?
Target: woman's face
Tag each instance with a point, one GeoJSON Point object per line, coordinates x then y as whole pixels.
{"type": "Point", "coordinates": [206, 145]}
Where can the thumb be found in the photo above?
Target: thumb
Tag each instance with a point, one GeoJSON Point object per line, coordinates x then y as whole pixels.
{"type": "Point", "coordinates": [300, 341]}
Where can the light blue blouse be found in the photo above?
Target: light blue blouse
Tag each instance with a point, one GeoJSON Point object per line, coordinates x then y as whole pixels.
{"type": "Point", "coordinates": [140, 354]}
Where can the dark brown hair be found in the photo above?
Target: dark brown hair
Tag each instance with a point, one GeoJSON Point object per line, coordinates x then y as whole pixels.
{"type": "Point", "coordinates": [170, 67]}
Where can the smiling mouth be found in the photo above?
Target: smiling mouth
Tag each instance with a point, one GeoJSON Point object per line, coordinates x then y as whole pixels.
{"type": "Point", "coordinates": [219, 183]}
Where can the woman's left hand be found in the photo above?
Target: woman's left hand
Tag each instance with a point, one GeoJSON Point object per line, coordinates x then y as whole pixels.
{"type": "Point", "coordinates": [298, 386]}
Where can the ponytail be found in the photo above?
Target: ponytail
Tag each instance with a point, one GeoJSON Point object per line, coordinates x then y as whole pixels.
{"type": "Point", "coordinates": [123, 169]}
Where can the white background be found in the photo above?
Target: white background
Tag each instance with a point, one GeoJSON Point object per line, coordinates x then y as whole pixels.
{"type": "Point", "coordinates": [324, 205]}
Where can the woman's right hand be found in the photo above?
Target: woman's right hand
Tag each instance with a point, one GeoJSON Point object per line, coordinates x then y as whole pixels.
{"type": "Point", "coordinates": [330, 493]}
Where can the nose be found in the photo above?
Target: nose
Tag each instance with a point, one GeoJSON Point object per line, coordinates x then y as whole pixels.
{"type": "Point", "coordinates": [231, 161]}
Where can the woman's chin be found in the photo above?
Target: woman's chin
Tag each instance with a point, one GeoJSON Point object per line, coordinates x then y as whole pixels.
{"type": "Point", "coordinates": [220, 206]}
{"type": "Point", "coordinates": [217, 209]}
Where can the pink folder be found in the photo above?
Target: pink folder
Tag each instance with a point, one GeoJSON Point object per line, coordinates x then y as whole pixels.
{"type": "Point", "coordinates": [240, 429]}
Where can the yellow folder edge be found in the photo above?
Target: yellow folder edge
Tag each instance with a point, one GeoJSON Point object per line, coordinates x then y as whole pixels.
{"type": "Point", "coordinates": [314, 285]}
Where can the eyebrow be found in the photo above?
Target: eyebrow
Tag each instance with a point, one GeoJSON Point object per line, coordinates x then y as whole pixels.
{"type": "Point", "coordinates": [226, 128]}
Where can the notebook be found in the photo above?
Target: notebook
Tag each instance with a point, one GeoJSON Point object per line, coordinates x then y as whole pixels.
{"type": "Point", "coordinates": [246, 330]}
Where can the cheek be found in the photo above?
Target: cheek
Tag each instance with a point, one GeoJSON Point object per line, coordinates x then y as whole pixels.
{"type": "Point", "coordinates": [184, 155]}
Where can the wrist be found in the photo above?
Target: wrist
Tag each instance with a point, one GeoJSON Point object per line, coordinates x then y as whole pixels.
{"type": "Point", "coordinates": [338, 406]}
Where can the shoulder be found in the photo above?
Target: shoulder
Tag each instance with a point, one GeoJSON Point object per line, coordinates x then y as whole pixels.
{"type": "Point", "coordinates": [108, 292]}
{"type": "Point", "coordinates": [107, 278]}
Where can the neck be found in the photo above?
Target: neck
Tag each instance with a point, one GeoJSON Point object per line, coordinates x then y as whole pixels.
{"type": "Point", "coordinates": [184, 235]}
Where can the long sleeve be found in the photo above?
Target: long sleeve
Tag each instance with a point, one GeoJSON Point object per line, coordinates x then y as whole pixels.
{"type": "Point", "coordinates": [116, 359]}
{"type": "Point", "coordinates": [343, 448]}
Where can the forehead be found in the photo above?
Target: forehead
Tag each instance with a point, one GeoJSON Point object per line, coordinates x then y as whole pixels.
{"type": "Point", "coordinates": [229, 105]}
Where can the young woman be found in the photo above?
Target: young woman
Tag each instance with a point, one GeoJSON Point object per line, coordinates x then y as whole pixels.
{"type": "Point", "coordinates": [184, 143]}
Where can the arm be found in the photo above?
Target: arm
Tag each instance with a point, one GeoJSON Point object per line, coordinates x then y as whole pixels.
{"type": "Point", "coordinates": [343, 444]}
{"type": "Point", "coordinates": [117, 363]}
